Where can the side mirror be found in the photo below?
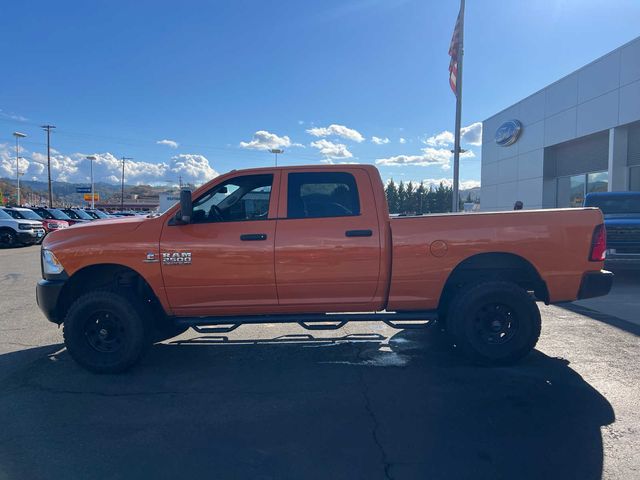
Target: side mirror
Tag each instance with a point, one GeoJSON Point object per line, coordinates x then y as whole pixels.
{"type": "Point", "coordinates": [186, 207]}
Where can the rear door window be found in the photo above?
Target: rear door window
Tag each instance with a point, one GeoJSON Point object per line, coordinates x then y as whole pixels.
{"type": "Point", "coordinates": [322, 194]}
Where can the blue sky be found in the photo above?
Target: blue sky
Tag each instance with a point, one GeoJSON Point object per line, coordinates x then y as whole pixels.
{"type": "Point", "coordinates": [224, 80]}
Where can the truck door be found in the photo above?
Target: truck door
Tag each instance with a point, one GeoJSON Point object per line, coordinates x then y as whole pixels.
{"type": "Point", "coordinates": [223, 261]}
{"type": "Point", "coordinates": [327, 240]}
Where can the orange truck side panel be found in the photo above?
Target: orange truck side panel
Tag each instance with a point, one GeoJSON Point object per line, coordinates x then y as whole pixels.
{"type": "Point", "coordinates": [555, 242]}
{"type": "Point", "coordinates": [309, 265]}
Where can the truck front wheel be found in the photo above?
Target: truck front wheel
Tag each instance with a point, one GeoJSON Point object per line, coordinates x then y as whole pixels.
{"type": "Point", "coordinates": [494, 322]}
{"type": "Point", "coordinates": [105, 332]}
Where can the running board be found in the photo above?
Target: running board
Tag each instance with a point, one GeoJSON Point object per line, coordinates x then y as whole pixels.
{"type": "Point", "coordinates": [310, 321]}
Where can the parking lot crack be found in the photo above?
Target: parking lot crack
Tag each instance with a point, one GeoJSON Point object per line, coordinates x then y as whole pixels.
{"type": "Point", "coordinates": [374, 420]}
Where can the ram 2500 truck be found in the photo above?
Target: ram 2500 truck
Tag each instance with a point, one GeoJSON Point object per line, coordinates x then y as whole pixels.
{"type": "Point", "coordinates": [314, 245]}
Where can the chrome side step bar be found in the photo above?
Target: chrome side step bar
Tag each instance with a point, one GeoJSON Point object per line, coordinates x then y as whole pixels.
{"type": "Point", "coordinates": [310, 321]}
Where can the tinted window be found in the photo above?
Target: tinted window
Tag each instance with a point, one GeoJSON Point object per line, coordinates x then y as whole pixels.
{"type": "Point", "coordinates": [327, 194]}
{"type": "Point", "coordinates": [28, 214]}
{"type": "Point", "coordinates": [72, 214]}
{"type": "Point", "coordinates": [612, 204]}
{"type": "Point", "coordinates": [55, 213]}
{"type": "Point", "coordinates": [238, 199]}
{"type": "Point", "coordinates": [4, 215]}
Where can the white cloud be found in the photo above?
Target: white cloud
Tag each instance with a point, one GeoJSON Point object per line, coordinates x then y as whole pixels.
{"type": "Point", "coordinates": [263, 140]}
{"type": "Point", "coordinates": [442, 139]}
{"type": "Point", "coordinates": [472, 134]}
{"type": "Point", "coordinates": [168, 143]}
{"type": "Point", "coordinates": [430, 156]}
{"type": "Point", "coordinates": [448, 182]}
{"type": "Point", "coordinates": [332, 150]}
{"type": "Point", "coordinates": [338, 131]}
{"type": "Point", "coordinates": [193, 168]}
{"type": "Point", "coordinates": [402, 140]}
{"type": "Point", "coordinates": [107, 168]}
{"type": "Point", "coordinates": [380, 141]}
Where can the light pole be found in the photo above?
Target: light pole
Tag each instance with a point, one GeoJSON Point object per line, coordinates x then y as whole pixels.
{"type": "Point", "coordinates": [91, 158]}
{"type": "Point", "coordinates": [276, 151]}
{"type": "Point", "coordinates": [18, 135]}
{"type": "Point", "coordinates": [124, 159]}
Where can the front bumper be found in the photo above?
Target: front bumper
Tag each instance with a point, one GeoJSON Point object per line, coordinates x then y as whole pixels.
{"type": "Point", "coordinates": [595, 284]}
{"type": "Point", "coordinates": [30, 236]}
{"type": "Point", "coordinates": [47, 294]}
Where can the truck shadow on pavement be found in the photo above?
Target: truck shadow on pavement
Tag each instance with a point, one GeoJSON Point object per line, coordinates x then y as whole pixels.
{"type": "Point", "coordinates": [363, 407]}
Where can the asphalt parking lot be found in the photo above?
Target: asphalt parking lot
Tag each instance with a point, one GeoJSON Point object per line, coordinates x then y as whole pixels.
{"type": "Point", "coordinates": [274, 402]}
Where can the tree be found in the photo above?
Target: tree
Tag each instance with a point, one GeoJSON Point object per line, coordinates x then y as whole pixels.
{"type": "Point", "coordinates": [421, 194]}
{"type": "Point", "coordinates": [391, 192]}
{"type": "Point", "coordinates": [402, 198]}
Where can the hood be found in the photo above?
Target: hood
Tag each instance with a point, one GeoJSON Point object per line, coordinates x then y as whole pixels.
{"type": "Point", "coordinates": [35, 223]}
{"type": "Point", "coordinates": [93, 232]}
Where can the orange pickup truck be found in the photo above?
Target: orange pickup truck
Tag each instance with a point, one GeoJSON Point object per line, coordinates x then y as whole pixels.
{"type": "Point", "coordinates": [314, 245]}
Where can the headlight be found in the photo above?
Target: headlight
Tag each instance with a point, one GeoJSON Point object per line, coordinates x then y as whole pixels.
{"type": "Point", "coordinates": [50, 263]}
{"type": "Point", "coordinates": [25, 226]}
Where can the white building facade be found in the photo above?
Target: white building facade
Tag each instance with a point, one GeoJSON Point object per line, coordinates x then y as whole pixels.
{"type": "Point", "coordinates": [580, 134]}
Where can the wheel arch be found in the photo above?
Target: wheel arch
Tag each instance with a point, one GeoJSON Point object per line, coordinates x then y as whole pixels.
{"type": "Point", "coordinates": [487, 266]}
{"type": "Point", "coordinates": [107, 276]}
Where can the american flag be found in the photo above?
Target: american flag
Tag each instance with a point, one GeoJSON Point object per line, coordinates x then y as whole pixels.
{"type": "Point", "coordinates": [454, 53]}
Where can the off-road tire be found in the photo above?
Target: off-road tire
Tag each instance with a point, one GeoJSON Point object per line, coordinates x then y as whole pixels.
{"type": "Point", "coordinates": [8, 238]}
{"type": "Point", "coordinates": [494, 323]}
{"type": "Point", "coordinates": [106, 332]}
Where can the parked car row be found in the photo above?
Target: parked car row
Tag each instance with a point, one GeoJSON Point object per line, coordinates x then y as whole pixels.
{"type": "Point", "coordinates": [28, 226]}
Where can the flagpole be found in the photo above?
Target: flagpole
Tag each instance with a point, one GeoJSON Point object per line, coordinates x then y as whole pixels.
{"type": "Point", "coordinates": [456, 147]}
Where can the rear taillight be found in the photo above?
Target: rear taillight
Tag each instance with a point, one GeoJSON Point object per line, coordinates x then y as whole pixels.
{"type": "Point", "coordinates": [598, 244]}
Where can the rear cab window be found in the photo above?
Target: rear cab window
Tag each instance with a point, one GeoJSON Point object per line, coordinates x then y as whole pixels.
{"type": "Point", "coordinates": [322, 194]}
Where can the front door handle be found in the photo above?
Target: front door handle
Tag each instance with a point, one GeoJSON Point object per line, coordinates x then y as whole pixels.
{"type": "Point", "coordinates": [253, 237]}
{"type": "Point", "coordinates": [358, 233]}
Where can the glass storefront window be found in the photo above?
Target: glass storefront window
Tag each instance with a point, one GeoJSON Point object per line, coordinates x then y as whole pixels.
{"type": "Point", "coordinates": [572, 190]}
{"type": "Point", "coordinates": [597, 182]}
{"type": "Point", "coordinates": [634, 179]}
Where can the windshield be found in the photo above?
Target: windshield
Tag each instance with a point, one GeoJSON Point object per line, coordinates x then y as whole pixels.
{"type": "Point", "coordinates": [97, 214]}
{"type": "Point", "coordinates": [4, 215]}
{"type": "Point", "coordinates": [31, 215]}
{"type": "Point", "coordinates": [615, 204]}
{"type": "Point", "coordinates": [58, 214]}
{"type": "Point", "coordinates": [82, 214]}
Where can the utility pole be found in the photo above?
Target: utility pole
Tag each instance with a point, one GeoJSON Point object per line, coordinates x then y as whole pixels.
{"type": "Point", "coordinates": [48, 128]}
{"type": "Point", "coordinates": [124, 159]}
{"type": "Point", "coordinates": [18, 135]}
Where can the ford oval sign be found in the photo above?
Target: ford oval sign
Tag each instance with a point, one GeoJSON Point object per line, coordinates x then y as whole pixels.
{"type": "Point", "coordinates": [508, 133]}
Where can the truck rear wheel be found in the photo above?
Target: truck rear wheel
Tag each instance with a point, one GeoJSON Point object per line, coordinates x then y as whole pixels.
{"type": "Point", "coordinates": [105, 332]}
{"type": "Point", "coordinates": [494, 322]}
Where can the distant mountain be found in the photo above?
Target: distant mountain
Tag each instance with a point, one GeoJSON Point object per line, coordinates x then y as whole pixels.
{"type": "Point", "coordinates": [64, 192]}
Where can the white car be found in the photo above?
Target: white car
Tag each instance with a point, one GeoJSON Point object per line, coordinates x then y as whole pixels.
{"type": "Point", "coordinates": [14, 232]}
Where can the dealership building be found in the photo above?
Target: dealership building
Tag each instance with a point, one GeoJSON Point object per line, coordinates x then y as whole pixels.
{"type": "Point", "coordinates": [578, 135]}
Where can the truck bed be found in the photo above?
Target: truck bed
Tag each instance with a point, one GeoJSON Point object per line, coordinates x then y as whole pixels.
{"type": "Point", "coordinates": [426, 248]}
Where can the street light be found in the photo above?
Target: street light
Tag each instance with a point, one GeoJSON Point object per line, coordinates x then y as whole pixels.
{"type": "Point", "coordinates": [91, 158]}
{"type": "Point", "coordinates": [18, 135]}
{"type": "Point", "coordinates": [276, 151]}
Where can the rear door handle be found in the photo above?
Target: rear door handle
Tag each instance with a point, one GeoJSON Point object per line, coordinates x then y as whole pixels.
{"type": "Point", "coordinates": [358, 233]}
{"type": "Point", "coordinates": [253, 237]}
